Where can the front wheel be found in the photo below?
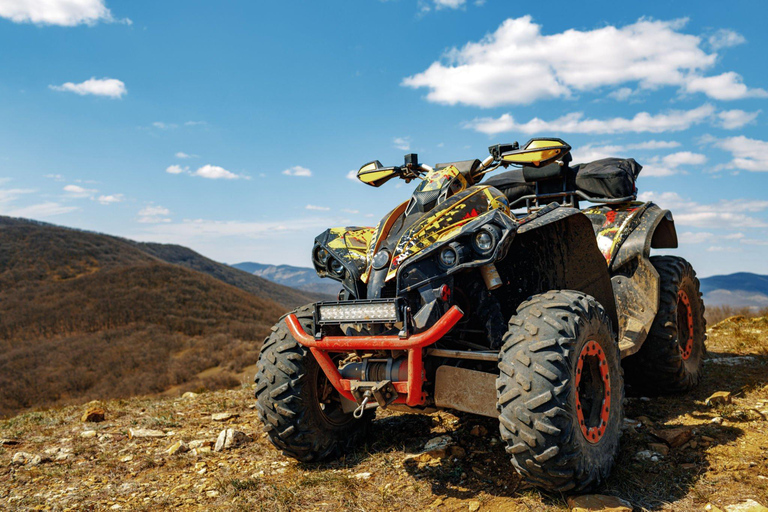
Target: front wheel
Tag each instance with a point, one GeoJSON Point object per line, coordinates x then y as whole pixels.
{"type": "Point", "coordinates": [560, 391]}
{"type": "Point", "coordinates": [300, 409]}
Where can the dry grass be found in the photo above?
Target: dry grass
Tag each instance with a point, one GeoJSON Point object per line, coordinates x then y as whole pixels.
{"type": "Point", "coordinates": [727, 464]}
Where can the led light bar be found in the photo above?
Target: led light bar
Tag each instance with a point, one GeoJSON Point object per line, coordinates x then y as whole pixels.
{"type": "Point", "coordinates": [357, 312]}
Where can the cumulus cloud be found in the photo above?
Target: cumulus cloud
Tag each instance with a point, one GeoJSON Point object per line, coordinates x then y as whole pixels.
{"type": "Point", "coordinates": [725, 38]}
{"type": "Point", "coordinates": [733, 119]}
{"type": "Point", "coordinates": [184, 155]}
{"type": "Point", "coordinates": [153, 214]}
{"type": "Point", "coordinates": [402, 143]}
{"type": "Point", "coordinates": [214, 172]}
{"type": "Point", "coordinates": [449, 4]}
{"type": "Point", "coordinates": [352, 175]}
{"type": "Point", "coordinates": [111, 199]}
{"type": "Point", "coordinates": [67, 13]}
{"type": "Point", "coordinates": [78, 191]}
{"type": "Point", "coordinates": [176, 169]}
{"type": "Point", "coordinates": [643, 122]}
{"type": "Point", "coordinates": [725, 214]}
{"type": "Point", "coordinates": [317, 208]}
{"type": "Point", "coordinates": [109, 87]}
{"type": "Point", "coordinates": [517, 64]}
{"type": "Point", "coordinates": [160, 125]}
{"type": "Point", "coordinates": [298, 170]}
{"type": "Point", "coordinates": [747, 154]}
{"type": "Point", "coordinates": [656, 166]}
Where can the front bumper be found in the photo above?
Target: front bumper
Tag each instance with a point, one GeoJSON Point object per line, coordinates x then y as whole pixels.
{"type": "Point", "coordinates": [410, 392]}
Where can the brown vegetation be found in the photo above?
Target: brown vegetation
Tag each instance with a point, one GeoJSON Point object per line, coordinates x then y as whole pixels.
{"type": "Point", "coordinates": [87, 316]}
{"type": "Point", "coordinates": [716, 314]}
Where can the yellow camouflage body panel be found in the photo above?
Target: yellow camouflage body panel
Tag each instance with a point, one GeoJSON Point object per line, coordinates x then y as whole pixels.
{"type": "Point", "coordinates": [445, 220]}
{"type": "Point", "coordinates": [351, 244]}
{"type": "Point", "coordinates": [609, 222]}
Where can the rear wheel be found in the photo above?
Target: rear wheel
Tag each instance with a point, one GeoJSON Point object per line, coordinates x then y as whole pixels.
{"type": "Point", "coordinates": [300, 409]}
{"type": "Point", "coordinates": [560, 391]}
{"type": "Point", "coordinates": [671, 357]}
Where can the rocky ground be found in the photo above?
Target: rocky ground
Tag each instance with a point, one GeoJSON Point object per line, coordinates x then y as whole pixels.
{"type": "Point", "coordinates": [678, 453]}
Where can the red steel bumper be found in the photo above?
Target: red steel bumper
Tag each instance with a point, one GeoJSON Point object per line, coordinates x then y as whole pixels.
{"type": "Point", "coordinates": [410, 391]}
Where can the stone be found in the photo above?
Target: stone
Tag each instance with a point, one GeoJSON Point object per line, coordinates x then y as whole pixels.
{"type": "Point", "coordinates": [717, 420]}
{"type": "Point", "coordinates": [674, 437]}
{"type": "Point", "coordinates": [746, 506]}
{"type": "Point", "coordinates": [144, 432]}
{"type": "Point", "coordinates": [93, 415]}
{"type": "Point", "coordinates": [177, 447]}
{"type": "Point", "coordinates": [198, 443]}
{"type": "Point", "coordinates": [630, 423]}
{"type": "Point", "coordinates": [212, 494]}
{"type": "Point", "coordinates": [438, 447]}
{"type": "Point", "coordinates": [645, 420]}
{"type": "Point", "coordinates": [25, 458]}
{"type": "Point", "coordinates": [478, 431]}
{"type": "Point", "coordinates": [648, 455]}
{"type": "Point", "coordinates": [362, 476]}
{"type": "Point", "coordinates": [458, 452]}
{"type": "Point", "coordinates": [87, 434]}
{"type": "Point", "coordinates": [688, 466]}
{"type": "Point", "coordinates": [59, 453]}
{"type": "Point", "coordinates": [712, 508]}
{"type": "Point", "coordinates": [189, 394]}
{"type": "Point", "coordinates": [8, 442]}
{"type": "Point", "coordinates": [660, 448]}
{"type": "Point", "coordinates": [203, 450]}
{"type": "Point", "coordinates": [474, 506]}
{"type": "Point", "coordinates": [230, 438]}
{"type": "Point", "coordinates": [593, 502]}
{"type": "Point", "coordinates": [127, 458]}
{"type": "Point", "coordinates": [718, 398]}
{"type": "Point", "coordinates": [223, 416]}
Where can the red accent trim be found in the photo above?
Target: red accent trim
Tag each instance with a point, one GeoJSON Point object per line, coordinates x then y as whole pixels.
{"type": "Point", "coordinates": [687, 349]}
{"type": "Point", "coordinates": [593, 434]}
{"type": "Point", "coordinates": [413, 344]}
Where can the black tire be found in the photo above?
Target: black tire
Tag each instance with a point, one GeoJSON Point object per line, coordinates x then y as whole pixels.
{"type": "Point", "coordinates": [289, 384]}
{"type": "Point", "coordinates": [537, 394]}
{"type": "Point", "coordinates": [671, 357]}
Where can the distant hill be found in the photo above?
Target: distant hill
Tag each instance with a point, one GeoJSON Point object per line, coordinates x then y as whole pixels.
{"type": "Point", "coordinates": [85, 316]}
{"type": "Point", "coordinates": [739, 290]}
{"type": "Point", "coordinates": [301, 278]}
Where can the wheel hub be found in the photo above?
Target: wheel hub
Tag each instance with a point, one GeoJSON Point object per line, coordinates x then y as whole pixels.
{"type": "Point", "coordinates": [684, 324]}
{"type": "Point", "coordinates": [593, 392]}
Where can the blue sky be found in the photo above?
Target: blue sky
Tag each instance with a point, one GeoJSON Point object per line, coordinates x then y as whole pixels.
{"type": "Point", "coordinates": [232, 127]}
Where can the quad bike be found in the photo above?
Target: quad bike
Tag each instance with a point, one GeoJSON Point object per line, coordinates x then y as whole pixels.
{"type": "Point", "coordinates": [455, 302]}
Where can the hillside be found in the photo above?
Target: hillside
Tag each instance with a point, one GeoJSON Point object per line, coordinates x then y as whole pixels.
{"type": "Point", "coordinates": [256, 284]}
{"type": "Point", "coordinates": [84, 315]}
{"type": "Point", "coordinates": [109, 465]}
{"type": "Point", "coordinates": [301, 278]}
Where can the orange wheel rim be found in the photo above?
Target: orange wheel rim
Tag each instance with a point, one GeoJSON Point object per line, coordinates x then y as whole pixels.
{"type": "Point", "coordinates": [684, 325]}
{"type": "Point", "coordinates": [593, 392]}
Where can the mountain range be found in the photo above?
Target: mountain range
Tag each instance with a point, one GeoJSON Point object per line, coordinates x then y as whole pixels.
{"type": "Point", "coordinates": [301, 278]}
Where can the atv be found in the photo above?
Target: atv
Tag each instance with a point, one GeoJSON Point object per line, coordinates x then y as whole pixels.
{"type": "Point", "coordinates": [499, 298]}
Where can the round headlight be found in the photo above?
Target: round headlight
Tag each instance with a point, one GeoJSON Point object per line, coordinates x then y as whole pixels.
{"type": "Point", "coordinates": [483, 241]}
{"type": "Point", "coordinates": [336, 267]}
{"type": "Point", "coordinates": [321, 255]}
{"type": "Point", "coordinates": [448, 257]}
{"type": "Point", "coordinates": [381, 259]}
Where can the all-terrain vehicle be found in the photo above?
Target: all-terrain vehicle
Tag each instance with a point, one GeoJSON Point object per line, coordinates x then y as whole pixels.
{"type": "Point", "coordinates": [454, 301]}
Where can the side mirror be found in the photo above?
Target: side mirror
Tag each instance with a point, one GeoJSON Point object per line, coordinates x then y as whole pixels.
{"type": "Point", "coordinates": [375, 175]}
{"type": "Point", "coordinates": [537, 152]}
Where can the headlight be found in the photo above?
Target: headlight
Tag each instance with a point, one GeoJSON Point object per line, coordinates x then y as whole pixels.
{"type": "Point", "coordinates": [381, 259]}
{"type": "Point", "coordinates": [336, 267]}
{"type": "Point", "coordinates": [321, 256]}
{"type": "Point", "coordinates": [357, 313]}
{"type": "Point", "coordinates": [448, 257]}
{"type": "Point", "coordinates": [485, 240]}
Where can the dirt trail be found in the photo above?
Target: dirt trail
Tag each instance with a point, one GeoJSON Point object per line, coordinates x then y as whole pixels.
{"type": "Point", "coordinates": [724, 461]}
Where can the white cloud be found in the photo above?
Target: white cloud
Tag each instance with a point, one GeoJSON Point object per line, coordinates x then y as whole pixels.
{"type": "Point", "coordinates": [748, 154]}
{"type": "Point", "coordinates": [176, 169]}
{"type": "Point", "coordinates": [654, 144]}
{"type": "Point", "coordinates": [725, 38]}
{"type": "Point", "coordinates": [160, 125]}
{"type": "Point", "coordinates": [347, 210]}
{"type": "Point", "coordinates": [66, 13]}
{"type": "Point", "coordinates": [317, 208]}
{"type": "Point", "coordinates": [48, 209]}
{"type": "Point", "coordinates": [111, 199]}
{"type": "Point", "coordinates": [109, 87]}
{"type": "Point", "coordinates": [214, 172]}
{"type": "Point", "coordinates": [732, 119]}
{"type": "Point", "coordinates": [726, 86]}
{"type": "Point", "coordinates": [195, 123]}
{"type": "Point", "coordinates": [402, 143]}
{"type": "Point", "coordinates": [622, 94]}
{"type": "Point", "coordinates": [78, 191]}
{"type": "Point", "coordinates": [183, 155]}
{"type": "Point", "coordinates": [298, 170]}
{"type": "Point", "coordinates": [352, 175]}
{"type": "Point", "coordinates": [57, 177]}
{"type": "Point", "coordinates": [153, 214]}
{"type": "Point", "coordinates": [656, 166]}
{"type": "Point", "coordinates": [724, 214]}
{"type": "Point", "coordinates": [684, 158]}
{"type": "Point", "coordinates": [9, 195]}
{"type": "Point", "coordinates": [449, 4]}
{"type": "Point", "coordinates": [671, 121]}
{"type": "Point", "coordinates": [518, 65]}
